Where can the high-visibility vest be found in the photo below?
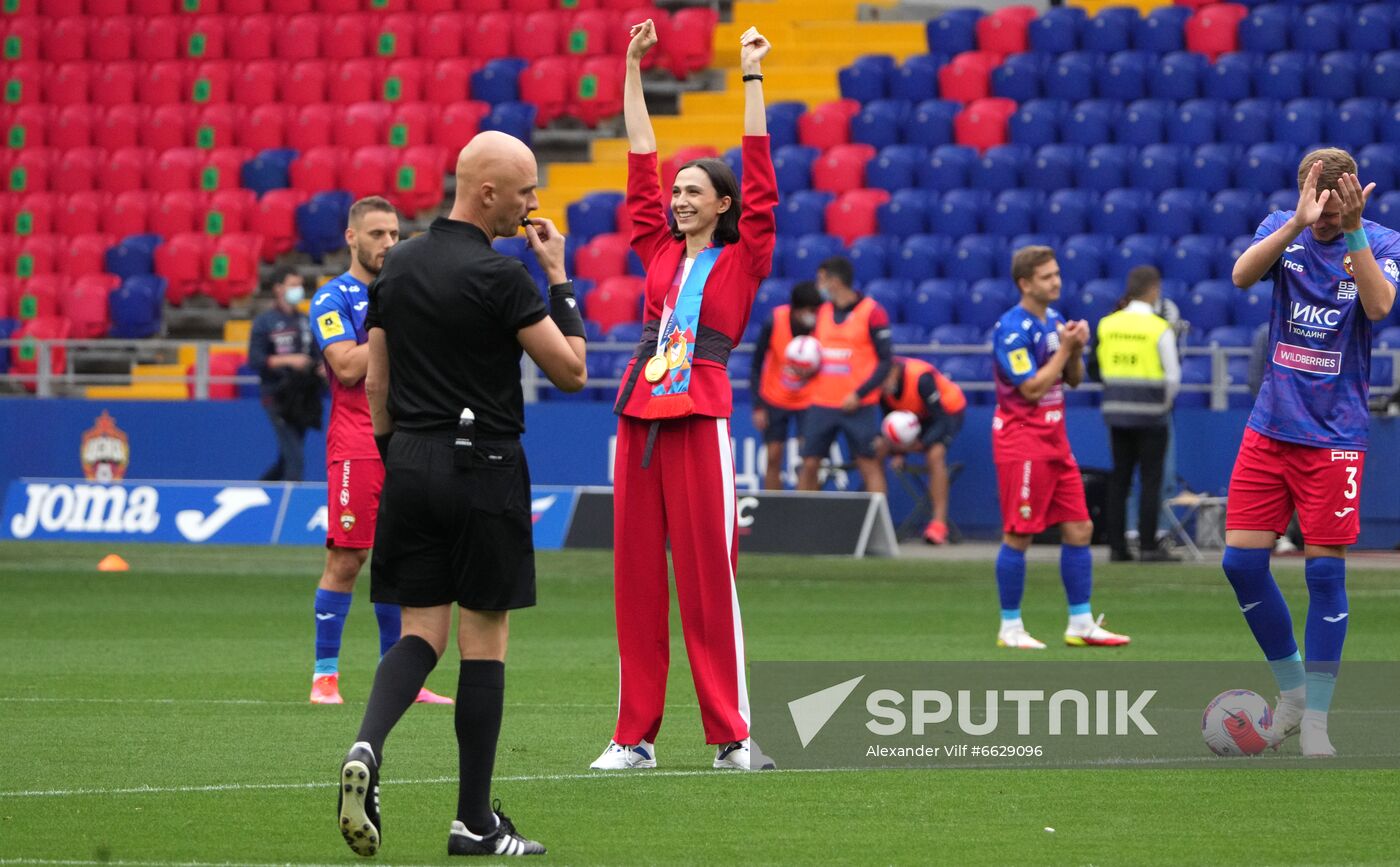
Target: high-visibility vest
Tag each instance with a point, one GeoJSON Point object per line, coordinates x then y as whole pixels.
{"type": "Point", "coordinates": [848, 354]}
{"type": "Point", "coordinates": [777, 386]}
{"type": "Point", "coordinates": [950, 396]}
{"type": "Point", "coordinates": [1134, 384]}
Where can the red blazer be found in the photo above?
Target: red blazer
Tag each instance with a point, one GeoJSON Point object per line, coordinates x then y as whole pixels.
{"type": "Point", "coordinates": [733, 282]}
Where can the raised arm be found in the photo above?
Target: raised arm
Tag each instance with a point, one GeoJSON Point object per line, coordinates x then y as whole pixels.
{"type": "Point", "coordinates": [1255, 262]}
{"type": "Point", "coordinates": [1376, 293]}
{"type": "Point", "coordinates": [641, 138]}
{"type": "Point", "coordinates": [754, 49]}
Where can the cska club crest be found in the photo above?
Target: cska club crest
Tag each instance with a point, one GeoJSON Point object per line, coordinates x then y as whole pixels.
{"type": "Point", "coordinates": [347, 520]}
{"type": "Point", "coordinates": [1346, 263]}
{"type": "Point", "coordinates": [104, 451]}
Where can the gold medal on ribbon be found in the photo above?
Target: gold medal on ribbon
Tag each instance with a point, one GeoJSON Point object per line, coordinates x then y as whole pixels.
{"type": "Point", "coordinates": [655, 369]}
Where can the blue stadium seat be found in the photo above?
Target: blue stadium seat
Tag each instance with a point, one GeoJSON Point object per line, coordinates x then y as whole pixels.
{"type": "Point", "coordinates": [133, 256]}
{"type": "Point", "coordinates": [498, 80]}
{"type": "Point", "coordinates": [1143, 122]}
{"type": "Point", "coordinates": [1388, 209]}
{"type": "Point", "coordinates": [1266, 29]}
{"type": "Point", "coordinates": [1013, 212]}
{"type": "Point", "coordinates": [1251, 306]}
{"type": "Point", "coordinates": [1207, 306]}
{"type": "Point", "coordinates": [740, 366]}
{"type": "Point", "coordinates": [1053, 167]}
{"type": "Point", "coordinates": [772, 292]}
{"type": "Point", "coordinates": [896, 167]}
{"type": "Point", "coordinates": [906, 213]}
{"type": "Point", "coordinates": [957, 334]}
{"type": "Point", "coordinates": [1373, 28]}
{"type": "Point", "coordinates": [1282, 75]}
{"type": "Point", "coordinates": [1092, 302]}
{"type": "Point", "coordinates": [1231, 76]}
{"type": "Point", "coordinates": [890, 293]}
{"type": "Point", "coordinates": [1235, 249]}
{"type": "Point", "coordinates": [1106, 167]}
{"type": "Point", "coordinates": [1111, 29]}
{"type": "Point", "coordinates": [1268, 166]}
{"type": "Point", "coordinates": [1389, 128]}
{"type": "Point", "coordinates": [1121, 212]}
{"type": "Point", "coordinates": [594, 214]}
{"type": "Point", "coordinates": [320, 223]}
{"type": "Point", "coordinates": [782, 252]}
{"type": "Point", "coordinates": [931, 123]}
{"type": "Point", "coordinates": [792, 166]}
{"type": "Point", "coordinates": [932, 303]}
{"type": "Point", "coordinates": [1019, 77]}
{"type": "Point", "coordinates": [1159, 167]}
{"type": "Point", "coordinates": [908, 333]}
{"type": "Point", "coordinates": [1174, 290]}
{"type": "Point", "coordinates": [1082, 257]}
{"type": "Point", "coordinates": [1379, 163]}
{"type": "Point", "coordinates": [1281, 200]}
{"type": "Point", "coordinates": [977, 257]}
{"type": "Point", "coordinates": [809, 252]}
{"type": "Point", "coordinates": [921, 257]}
{"type": "Point", "coordinates": [872, 257]}
{"type": "Point", "coordinates": [1057, 30]}
{"type": "Point", "coordinates": [1389, 337]}
{"type": "Point", "coordinates": [1230, 336]}
{"type": "Point", "coordinates": [1234, 212]}
{"type": "Point", "coordinates": [1162, 30]}
{"type": "Point", "coordinates": [960, 212]}
{"type": "Point", "coordinates": [916, 79]}
{"type": "Point", "coordinates": [803, 212]}
{"type": "Point", "coordinates": [512, 118]}
{"type": "Point", "coordinates": [1124, 76]}
{"type": "Point", "coordinates": [1320, 29]}
{"type": "Point", "coordinates": [1000, 167]}
{"type": "Point", "coordinates": [1384, 78]}
{"type": "Point", "coordinates": [1382, 371]}
{"type": "Point", "coordinates": [624, 333]}
{"type": "Point", "coordinates": [1036, 239]}
{"type": "Point", "coordinates": [1176, 212]}
{"type": "Point", "coordinates": [985, 302]}
{"type": "Point", "coordinates": [1193, 258]}
{"type": "Point", "coordinates": [867, 78]}
{"type": "Point", "coordinates": [1212, 166]}
{"type": "Point", "coordinates": [879, 123]}
{"type": "Point", "coordinates": [1090, 122]}
{"type": "Point", "coordinates": [1196, 122]}
{"type": "Point", "coordinates": [1355, 123]}
{"type": "Point", "coordinates": [782, 123]}
{"type": "Point", "coordinates": [1177, 76]}
{"type": "Point", "coordinates": [1037, 122]}
{"type": "Point", "coordinates": [136, 307]}
{"type": "Point", "coordinates": [1245, 123]}
{"type": "Point", "coordinates": [1137, 250]}
{"type": "Point", "coordinates": [972, 368]}
{"type": "Point", "coordinates": [953, 32]}
{"type": "Point", "coordinates": [268, 170]}
{"type": "Point", "coordinates": [1300, 122]}
{"type": "Point", "coordinates": [1067, 212]}
{"type": "Point", "coordinates": [1072, 76]}
{"type": "Point", "coordinates": [1336, 75]}
{"type": "Point", "coordinates": [1195, 370]}
{"type": "Point", "coordinates": [734, 158]}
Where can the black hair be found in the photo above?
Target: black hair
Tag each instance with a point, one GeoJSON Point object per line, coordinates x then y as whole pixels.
{"type": "Point", "coordinates": [725, 184]}
{"type": "Point", "coordinates": [840, 268]}
{"type": "Point", "coordinates": [281, 273]}
{"type": "Point", "coordinates": [805, 294]}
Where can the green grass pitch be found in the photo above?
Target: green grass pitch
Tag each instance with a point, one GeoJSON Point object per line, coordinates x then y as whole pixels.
{"type": "Point", "coordinates": [158, 716]}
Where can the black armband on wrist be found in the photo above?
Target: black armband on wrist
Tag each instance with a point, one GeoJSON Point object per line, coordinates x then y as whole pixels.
{"type": "Point", "coordinates": [563, 309]}
{"type": "Point", "coordinates": [381, 442]}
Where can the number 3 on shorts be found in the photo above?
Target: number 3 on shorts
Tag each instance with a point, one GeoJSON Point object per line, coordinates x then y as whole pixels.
{"type": "Point", "coordinates": [1350, 492]}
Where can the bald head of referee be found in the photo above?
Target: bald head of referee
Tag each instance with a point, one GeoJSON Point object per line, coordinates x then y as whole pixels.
{"type": "Point", "coordinates": [496, 180]}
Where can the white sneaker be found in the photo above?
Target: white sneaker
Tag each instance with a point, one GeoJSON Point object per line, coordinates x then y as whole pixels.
{"type": "Point", "coordinates": [1094, 635]}
{"type": "Point", "coordinates": [1288, 713]}
{"type": "Point", "coordinates": [620, 757]}
{"type": "Point", "coordinates": [1312, 736]}
{"type": "Point", "coordinates": [1018, 638]}
{"type": "Point", "coordinates": [743, 756]}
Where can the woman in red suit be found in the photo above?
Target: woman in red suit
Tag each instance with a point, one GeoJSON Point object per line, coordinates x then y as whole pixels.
{"type": "Point", "coordinates": [674, 472]}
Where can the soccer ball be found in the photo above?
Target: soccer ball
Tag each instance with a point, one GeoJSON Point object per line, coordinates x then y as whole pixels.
{"type": "Point", "coordinates": [901, 428]}
{"type": "Point", "coordinates": [1235, 723]}
{"type": "Point", "coordinates": [804, 356]}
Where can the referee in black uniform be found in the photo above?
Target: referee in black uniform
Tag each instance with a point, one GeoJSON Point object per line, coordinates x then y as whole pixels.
{"type": "Point", "coordinates": [448, 320]}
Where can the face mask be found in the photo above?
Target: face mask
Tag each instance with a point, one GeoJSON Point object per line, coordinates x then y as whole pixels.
{"type": "Point", "coordinates": [294, 295]}
{"type": "Point", "coordinates": [806, 320]}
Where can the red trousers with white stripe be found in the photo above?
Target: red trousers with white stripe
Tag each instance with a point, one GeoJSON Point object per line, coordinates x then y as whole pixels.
{"type": "Point", "coordinates": [686, 494]}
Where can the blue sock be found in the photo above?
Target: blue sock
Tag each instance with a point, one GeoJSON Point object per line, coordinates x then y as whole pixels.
{"type": "Point", "coordinates": [1077, 573]}
{"type": "Point", "coordinates": [1011, 578]}
{"type": "Point", "coordinates": [1326, 628]}
{"type": "Point", "coordinates": [1320, 686]}
{"type": "Point", "coordinates": [331, 610]}
{"type": "Point", "coordinates": [390, 625]}
{"type": "Point", "coordinates": [1260, 601]}
{"type": "Point", "coordinates": [1288, 671]}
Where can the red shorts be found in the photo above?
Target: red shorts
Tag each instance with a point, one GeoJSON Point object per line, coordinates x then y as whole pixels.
{"type": "Point", "coordinates": [352, 502]}
{"type": "Point", "coordinates": [1039, 494]}
{"type": "Point", "coordinates": [1272, 478]}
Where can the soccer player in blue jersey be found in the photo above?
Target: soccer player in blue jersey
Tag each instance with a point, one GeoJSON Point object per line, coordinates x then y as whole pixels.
{"type": "Point", "coordinates": [1304, 446]}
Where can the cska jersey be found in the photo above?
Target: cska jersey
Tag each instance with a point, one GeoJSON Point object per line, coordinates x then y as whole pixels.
{"type": "Point", "coordinates": [338, 314]}
{"type": "Point", "coordinates": [1315, 390]}
{"type": "Point", "coordinates": [1022, 429]}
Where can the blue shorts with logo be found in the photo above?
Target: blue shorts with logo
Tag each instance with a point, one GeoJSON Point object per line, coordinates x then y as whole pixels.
{"type": "Point", "coordinates": [861, 429]}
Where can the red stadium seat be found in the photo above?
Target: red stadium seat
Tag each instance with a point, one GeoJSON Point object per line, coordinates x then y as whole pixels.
{"type": "Point", "coordinates": [211, 82]}
{"type": "Point", "coordinates": [363, 124]}
{"type": "Point", "coordinates": [128, 214]}
{"type": "Point", "coordinates": [621, 35]}
{"type": "Point", "coordinates": [31, 168]}
{"type": "Point", "coordinates": [28, 126]}
{"type": "Point", "coordinates": [603, 257]}
{"type": "Point", "coordinates": [441, 36]}
{"type": "Point", "coordinates": [477, 7]}
{"type": "Point", "coordinates": [6, 298]}
{"type": "Point", "coordinates": [411, 124]}
{"type": "Point", "coordinates": [265, 127]}
{"type": "Point", "coordinates": [337, 7]}
{"type": "Point", "coordinates": [299, 38]}
{"type": "Point", "coordinates": [842, 168]}
{"type": "Point", "coordinates": [175, 169]}
{"type": "Point", "coordinates": [111, 40]}
{"type": "Point", "coordinates": [85, 304]}
{"type": "Point", "coordinates": [967, 76]}
{"type": "Point", "coordinates": [125, 170]}
{"type": "Point", "coordinates": [233, 268]}
{"type": "Point", "coordinates": [217, 126]}
{"type": "Point", "coordinates": [1214, 30]}
{"type": "Point", "coordinates": [416, 184]}
{"type": "Point", "coordinates": [305, 83]}
{"type": "Point", "coordinates": [367, 171]}
{"type": "Point", "coordinates": [289, 7]}
{"type": "Point", "coordinates": [84, 254]}
{"type": "Point", "coordinates": [38, 254]}
{"type": "Point", "coordinates": [853, 214]}
{"type": "Point", "coordinates": [23, 37]}
{"type": "Point", "coordinates": [982, 124]}
{"type": "Point", "coordinates": [346, 38]}
{"type": "Point", "coordinates": [433, 7]}
{"type": "Point", "coordinates": [70, 83]}
{"type": "Point", "coordinates": [82, 213]}
{"type": "Point", "coordinates": [276, 221]}
{"type": "Point", "coordinates": [24, 83]}
{"type": "Point", "coordinates": [1005, 30]}
{"type": "Point", "coordinates": [395, 36]}
{"type": "Point", "coordinates": [597, 91]}
{"type": "Point", "coordinates": [353, 81]}
{"type": "Point", "coordinates": [243, 7]}
{"type": "Point", "coordinates": [828, 124]}
{"type": "Point", "coordinates": [206, 37]}
{"type": "Point", "coordinates": [672, 164]}
{"type": "Point", "coordinates": [253, 38]}
{"type": "Point", "coordinates": [223, 365]}
{"type": "Point", "coordinates": [167, 127]}
{"type": "Point", "coordinates": [163, 83]}
{"type": "Point", "coordinates": [545, 85]}
{"type": "Point", "coordinates": [221, 168]}
{"type": "Point", "coordinates": [177, 212]}
{"type": "Point", "coordinates": [616, 300]}
{"type": "Point", "coordinates": [34, 213]}
{"type": "Point", "coordinates": [115, 84]}
{"type": "Point", "coordinates": [587, 35]}
{"type": "Point", "coordinates": [489, 37]}
{"type": "Point", "coordinates": [403, 80]}
{"type": "Point", "coordinates": [256, 82]}
{"type": "Point", "coordinates": [105, 8]}
{"type": "Point", "coordinates": [121, 127]}
{"type": "Point", "coordinates": [147, 8]}
{"type": "Point", "coordinates": [66, 39]}
{"type": "Point", "coordinates": [230, 212]}
{"type": "Point", "coordinates": [72, 127]}
{"type": "Point", "coordinates": [316, 170]}
{"type": "Point", "coordinates": [159, 39]}
{"type": "Point", "coordinates": [24, 361]}
{"type": "Point", "coordinates": [692, 40]}
{"type": "Point", "coordinates": [538, 35]}
{"type": "Point", "coordinates": [38, 296]}
{"type": "Point", "coordinates": [311, 126]}
{"type": "Point", "coordinates": [181, 261]}
{"type": "Point", "coordinates": [455, 125]}
{"type": "Point", "coordinates": [450, 80]}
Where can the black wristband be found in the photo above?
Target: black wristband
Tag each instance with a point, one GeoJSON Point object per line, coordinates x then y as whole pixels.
{"type": "Point", "coordinates": [381, 442]}
{"type": "Point", "coordinates": [754, 76]}
{"type": "Point", "coordinates": [563, 309]}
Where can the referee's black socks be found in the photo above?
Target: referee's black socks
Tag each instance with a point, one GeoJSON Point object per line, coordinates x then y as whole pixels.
{"type": "Point", "coordinates": [401, 673]}
{"type": "Point", "coordinates": [481, 689]}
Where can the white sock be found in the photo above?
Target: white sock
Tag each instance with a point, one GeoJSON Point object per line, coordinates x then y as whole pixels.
{"type": "Point", "coordinates": [1012, 625]}
{"type": "Point", "coordinates": [1315, 719]}
{"type": "Point", "coordinates": [1081, 622]}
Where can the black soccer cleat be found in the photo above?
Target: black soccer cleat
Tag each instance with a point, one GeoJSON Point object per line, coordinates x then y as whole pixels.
{"type": "Point", "coordinates": [504, 841]}
{"type": "Point", "coordinates": [358, 806]}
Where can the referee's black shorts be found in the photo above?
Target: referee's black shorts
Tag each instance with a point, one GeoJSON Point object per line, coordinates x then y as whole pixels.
{"type": "Point", "coordinates": [449, 535]}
